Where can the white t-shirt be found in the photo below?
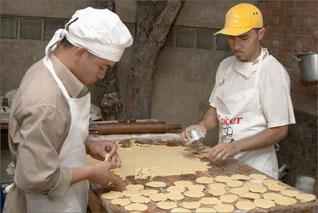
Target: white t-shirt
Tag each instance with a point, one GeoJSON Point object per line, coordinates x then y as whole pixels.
{"type": "Point", "coordinates": [273, 85]}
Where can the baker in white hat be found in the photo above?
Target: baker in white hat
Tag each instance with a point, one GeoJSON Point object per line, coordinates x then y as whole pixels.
{"type": "Point", "coordinates": [48, 132]}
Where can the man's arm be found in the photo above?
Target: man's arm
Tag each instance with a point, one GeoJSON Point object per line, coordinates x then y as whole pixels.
{"type": "Point", "coordinates": [208, 122]}
{"type": "Point", "coordinates": [260, 140]}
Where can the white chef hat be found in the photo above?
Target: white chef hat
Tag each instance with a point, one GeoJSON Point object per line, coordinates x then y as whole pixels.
{"type": "Point", "coordinates": [100, 31]}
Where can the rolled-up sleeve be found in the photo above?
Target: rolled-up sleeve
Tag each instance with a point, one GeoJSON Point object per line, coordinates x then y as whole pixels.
{"type": "Point", "coordinates": [38, 136]}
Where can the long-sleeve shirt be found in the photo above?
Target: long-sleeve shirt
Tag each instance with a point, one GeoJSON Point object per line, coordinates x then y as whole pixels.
{"type": "Point", "coordinates": [39, 123]}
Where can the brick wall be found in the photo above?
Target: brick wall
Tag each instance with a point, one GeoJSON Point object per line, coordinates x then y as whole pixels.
{"type": "Point", "coordinates": [292, 28]}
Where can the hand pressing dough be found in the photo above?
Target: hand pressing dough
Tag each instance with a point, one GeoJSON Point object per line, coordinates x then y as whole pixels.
{"type": "Point", "coordinates": [136, 207]}
{"type": "Point", "coordinates": [245, 205]}
{"type": "Point", "coordinates": [166, 205]}
{"type": "Point", "coordinates": [120, 201]}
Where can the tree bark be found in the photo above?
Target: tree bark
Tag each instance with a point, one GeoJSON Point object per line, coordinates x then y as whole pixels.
{"type": "Point", "coordinates": [154, 22]}
{"type": "Point", "coordinates": [111, 103]}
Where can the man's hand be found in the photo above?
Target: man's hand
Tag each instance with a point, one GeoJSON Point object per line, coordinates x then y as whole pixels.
{"type": "Point", "coordinates": [99, 149]}
{"type": "Point", "coordinates": [101, 173]}
{"type": "Point", "coordinates": [189, 128]}
{"type": "Point", "coordinates": [222, 151]}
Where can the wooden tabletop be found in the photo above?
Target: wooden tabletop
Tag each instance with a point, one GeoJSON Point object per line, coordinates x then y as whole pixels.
{"type": "Point", "coordinates": [228, 168]}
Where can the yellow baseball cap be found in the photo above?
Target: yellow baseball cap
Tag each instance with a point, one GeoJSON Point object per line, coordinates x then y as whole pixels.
{"type": "Point", "coordinates": [240, 19]}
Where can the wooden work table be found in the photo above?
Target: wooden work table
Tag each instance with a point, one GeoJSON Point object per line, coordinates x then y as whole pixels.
{"type": "Point", "coordinates": [228, 168]}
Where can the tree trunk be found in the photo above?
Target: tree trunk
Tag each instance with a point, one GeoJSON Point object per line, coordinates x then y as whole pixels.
{"type": "Point", "coordinates": [111, 104]}
{"type": "Point", "coordinates": [154, 22]}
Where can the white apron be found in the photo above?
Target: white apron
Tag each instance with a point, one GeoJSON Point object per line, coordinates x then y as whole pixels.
{"type": "Point", "coordinates": [73, 154]}
{"type": "Point", "coordinates": [240, 116]}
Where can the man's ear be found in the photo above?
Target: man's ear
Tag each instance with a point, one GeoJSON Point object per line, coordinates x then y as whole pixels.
{"type": "Point", "coordinates": [261, 33]}
{"type": "Point", "coordinates": [79, 51]}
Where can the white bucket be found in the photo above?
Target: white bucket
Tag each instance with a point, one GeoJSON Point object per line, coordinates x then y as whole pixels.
{"type": "Point", "coordinates": [305, 183]}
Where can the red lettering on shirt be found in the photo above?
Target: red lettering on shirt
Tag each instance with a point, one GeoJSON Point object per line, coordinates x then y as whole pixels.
{"type": "Point", "coordinates": [227, 121]}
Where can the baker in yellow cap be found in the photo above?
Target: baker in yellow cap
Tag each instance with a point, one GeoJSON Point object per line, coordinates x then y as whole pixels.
{"type": "Point", "coordinates": [250, 102]}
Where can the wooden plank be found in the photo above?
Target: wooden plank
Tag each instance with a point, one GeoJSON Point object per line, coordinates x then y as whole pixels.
{"type": "Point", "coordinates": [228, 168]}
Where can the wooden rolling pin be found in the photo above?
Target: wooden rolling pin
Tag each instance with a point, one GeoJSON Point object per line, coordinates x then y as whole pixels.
{"type": "Point", "coordinates": [133, 128]}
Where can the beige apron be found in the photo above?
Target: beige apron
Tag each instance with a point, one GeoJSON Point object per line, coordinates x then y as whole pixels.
{"type": "Point", "coordinates": [241, 116]}
{"type": "Point", "coordinates": [73, 154]}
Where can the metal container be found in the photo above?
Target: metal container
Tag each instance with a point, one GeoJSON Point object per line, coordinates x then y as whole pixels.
{"type": "Point", "coordinates": [308, 63]}
{"type": "Point", "coordinates": [194, 136]}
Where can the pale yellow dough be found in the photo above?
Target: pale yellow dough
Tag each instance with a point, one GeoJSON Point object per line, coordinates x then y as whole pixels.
{"type": "Point", "coordinates": [180, 210]}
{"type": "Point", "coordinates": [257, 188]}
{"type": "Point", "coordinates": [238, 191]}
{"type": "Point", "coordinates": [183, 183]}
{"type": "Point", "coordinates": [217, 186]}
{"type": "Point", "coordinates": [204, 180]}
{"type": "Point", "coordinates": [224, 208]}
{"type": "Point", "coordinates": [234, 183]}
{"type": "Point", "coordinates": [176, 189]}
{"type": "Point", "coordinates": [272, 196]}
{"type": "Point", "coordinates": [112, 195]}
{"type": "Point", "coordinates": [194, 194]}
{"type": "Point", "coordinates": [269, 182]}
{"type": "Point", "coordinates": [285, 201]}
{"type": "Point", "coordinates": [245, 205]}
{"type": "Point", "coordinates": [158, 197]}
{"type": "Point", "coordinates": [196, 187]}
{"type": "Point", "coordinates": [175, 196]}
{"type": "Point", "coordinates": [191, 204]}
{"type": "Point", "coordinates": [222, 178]}
{"type": "Point", "coordinates": [239, 177]}
{"type": "Point", "coordinates": [136, 207]}
{"type": "Point", "coordinates": [290, 192]}
{"type": "Point", "coordinates": [139, 199]}
{"type": "Point", "coordinates": [135, 187]}
{"type": "Point", "coordinates": [134, 158]}
{"type": "Point", "coordinates": [166, 205]}
{"type": "Point", "coordinates": [257, 176]}
{"type": "Point", "coordinates": [276, 187]}
{"type": "Point", "coordinates": [156, 184]}
{"type": "Point", "coordinates": [210, 201]}
{"type": "Point", "coordinates": [263, 203]}
{"type": "Point", "coordinates": [216, 192]}
{"type": "Point", "coordinates": [205, 210]}
{"type": "Point", "coordinates": [250, 195]}
{"type": "Point", "coordinates": [120, 201]}
{"type": "Point", "coordinates": [228, 198]}
{"type": "Point", "coordinates": [131, 193]}
{"type": "Point", "coordinates": [147, 192]}
{"type": "Point", "coordinates": [304, 198]}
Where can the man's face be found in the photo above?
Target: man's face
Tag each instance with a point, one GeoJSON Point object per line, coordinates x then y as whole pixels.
{"type": "Point", "coordinates": [91, 68]}
{"type": "Point", "coordinates": [245, 47]}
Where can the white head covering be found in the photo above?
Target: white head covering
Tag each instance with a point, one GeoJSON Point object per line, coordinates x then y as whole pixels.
{"type": "Point", "coordinates": [100, 31]}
